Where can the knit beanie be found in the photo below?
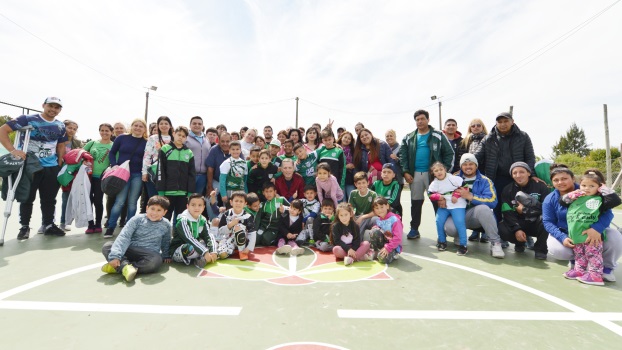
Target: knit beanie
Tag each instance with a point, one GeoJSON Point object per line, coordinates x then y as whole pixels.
{"type": "Point", "coordinates": [520, 164]}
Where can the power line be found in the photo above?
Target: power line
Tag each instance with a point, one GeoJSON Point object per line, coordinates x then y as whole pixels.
{"type": "Point", "coordinates": [364, 113]}
{"type": "Point", "coordinates": [201, 104]}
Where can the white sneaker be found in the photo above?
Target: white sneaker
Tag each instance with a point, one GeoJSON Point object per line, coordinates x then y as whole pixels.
{"type": "Point", "coordinates": [41, 229]}
{"type": "Point", "coordinates": [297, 251]}
{"type": "Point", "coordinates": [348, 261]}
{"type": "Point", "coordinates": [286, 249]}
{"type": "Point", "coordinates": [496, 250]}
{"type": "Point", "coordinates": [65, 227]}
{"type": "Point", "coordinates": [609, 277]}
{"type": "Point", "coordinates": [366, 257]}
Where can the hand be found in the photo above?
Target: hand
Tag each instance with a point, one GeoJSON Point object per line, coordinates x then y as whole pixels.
{"type": "Point", "coordinates": [394, 156]}
{"type": "Point", "coordinates": [145, 177]}
{"type": "Point", "coordinates": [465, 193]}
{"type": "Point", "coordinates": [383, 253]}
{"type": "Point", "coordinates": [330, 123]}
{"type": "Point", "coordinates": [352, 253]}
{"type": "Point", "coordinates": [359, 220]}
{"type": "Point", "coordinates": [291, 236]}
{"type": "Point", "coordinates": [454, 200]}
{"type": "Point", "coordinates": [442, 203]}
{"type": "Point", "coordinates": [115, 263]}
{"type": "Point", "coordinates": [208, 257]}
{"type": "Point", "coordinates": [18, 153]}
{"type": "Point", "coordinates": [593, 237]}
{"type": "Point", "coordinates": [233, 222]}
{"type": "Point", "coordinates": [237, 227]}
{"type": "Point", "coordinates": [537, 179]}
{"type": "Point", "coordinates": [281, 209]}
{"type": "Point", "coordinates": [254, 167]}
{"type": "Point", "coordinates": [521, 236]}
{"type": "Point", "coordinates": [568, 243]}
{"type": "Point", "coordinates": [168, 260]}
{"type": "Point", "coordinates": [408, 178]}
{"type": "Point", "coordinates": [224, 199]}
{"type": "Point", "coordinates": [295, 195]}
{"type": "Point", "coordinates": [349, 166]}
{"type": "Point", "coordinates": [519, 208]}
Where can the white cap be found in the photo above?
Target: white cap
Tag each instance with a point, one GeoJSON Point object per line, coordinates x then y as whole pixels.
{"type": "Point", "coordinates": [468, 157]}
{"type": "Point", "coordinates": [53, 100]}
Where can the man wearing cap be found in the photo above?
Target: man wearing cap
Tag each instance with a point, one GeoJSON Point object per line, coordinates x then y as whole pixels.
{"type": "Point", "coordinates": [504, 145]}
{"type": "Point", "coordinates": [217, 155]}
{"type": "Point", "coordinates": [521, 207]}
{"type": "Point", "coordinates": [418, 151]}
{"type": "Point", "coordinates": [47, 144]}
{"type": "Point", "coordinates": [481, 198]}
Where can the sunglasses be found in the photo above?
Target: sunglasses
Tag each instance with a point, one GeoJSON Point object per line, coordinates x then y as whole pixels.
{"type": "Point", "coordinates": [476, 125]}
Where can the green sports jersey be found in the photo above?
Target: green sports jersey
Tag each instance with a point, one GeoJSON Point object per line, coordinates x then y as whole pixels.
{"type": "Point", "coordinates": [362, 204]}
{"type": "Point", "coordinates": [582, 213]}
{"type": "Point", "coordinates": [390, 191]}
{"type": "Point", "coordinates": [336, 159]}
{"type": "Point", "coordinates": [99, 151]}
{"type": "Point", "coordinates": [306, 167]}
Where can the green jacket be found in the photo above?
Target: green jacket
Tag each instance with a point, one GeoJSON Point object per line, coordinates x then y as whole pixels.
{"type": "Point", "coordinates": [440, 150]}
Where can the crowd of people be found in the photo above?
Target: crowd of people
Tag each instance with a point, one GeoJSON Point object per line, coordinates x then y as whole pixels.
{"type": "Point", "coordinates": [207, 193]}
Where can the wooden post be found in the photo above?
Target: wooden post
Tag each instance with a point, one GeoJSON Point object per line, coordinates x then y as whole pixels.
{"type": "Point", "coordinates": [607, 147]}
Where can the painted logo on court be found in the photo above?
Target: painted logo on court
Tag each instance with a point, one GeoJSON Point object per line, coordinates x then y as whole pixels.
{"type": "Point", "coordinates": [311, 267]}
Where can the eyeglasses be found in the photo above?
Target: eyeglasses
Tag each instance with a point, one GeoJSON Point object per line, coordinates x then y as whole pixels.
{"type": "Point", "coordinates": [476, 125]}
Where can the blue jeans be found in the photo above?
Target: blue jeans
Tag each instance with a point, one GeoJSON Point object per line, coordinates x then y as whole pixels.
{"type": "Point", "coordinates": [131, 192]}
{"type": "Point", "coordinates": [458, 217]}
{"type": "Point", "coordinates": [201, 184]}
{"type": "Point", "coordinates": [151, 189]}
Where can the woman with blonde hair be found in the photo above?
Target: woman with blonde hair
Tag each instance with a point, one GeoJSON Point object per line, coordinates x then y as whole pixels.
{"type": "Point", "coordinates": [474, 136]}
{"type": "Point", "coordinates": [128, 147]}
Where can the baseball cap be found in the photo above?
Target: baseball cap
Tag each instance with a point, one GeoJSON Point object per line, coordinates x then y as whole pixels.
{"type": "Point", "coordinates": [504, 115]}
{"type": "Point", "coordinates": [54, 100]}
{"type": "Point", "coordinates": [275, 142]}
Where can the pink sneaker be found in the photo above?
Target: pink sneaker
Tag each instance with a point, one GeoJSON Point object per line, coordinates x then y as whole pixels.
{"type": "Point", "coordinates": [591, 278]}
{"type": "Point", "coordinates": [572, 274]}
{"type": "Point", "coordinates": [348, 261]}
{"type": "Point", "coordinates": [98, 229]}
{"type": "Point", "coordinates": [90, 230]}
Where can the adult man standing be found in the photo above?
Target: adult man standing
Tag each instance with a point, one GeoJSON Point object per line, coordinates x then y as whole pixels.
{"type": "Point", "coordinates": [216, 156]}
{"type": "Point", "coordinates": [267, 133]}
{"type": "Point", "coordinates": [502, 147]}
{"type": "Point", "coordinates": [291, 185]}
{"type": "Point", "coordinates": [418, 151]}
{"type": "Point", "coordinates": [47, 144]}
{"type": "Point", "coordinates": [200, 147]}
{"type": "Point", "coordinates": [455, 137]}
{"type": "Point", "coordinates": [481, 198]}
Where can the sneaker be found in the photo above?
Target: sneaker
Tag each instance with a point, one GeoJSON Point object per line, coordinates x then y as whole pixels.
{"type": "Point", "coordinates": [24, 233]}
{"type": "Point", "coordinates": [366, 257]}
{"type": "Point", "coordinates": [200, 262]}
{"type": "Point", "coordinates": [65, 227]}
{"type": "Point", "coordinates": [540, 255]}
{"type": "Point", "coordinates": [474, 237]}
{"type": "Point", "coordinates": [591, 278]}
{"type": "Point", "coordinates": [107, 268]}
{"type": "Point", "coordinates": [484, 238]}
{"type": "Point", "coordinates": [413, 234]}
{"type": "Point", "coordinates": [462, 250]}
{"type": "Point", "coordinates": [519, 247]}
{"type": "Point", "coordinates": [122, 223]}
{"type": "Point", "coordinates": [53, 230]}
{"type": "Point", "coordinates": [397, 256]}
{"type": "Point", "coordinates": [286, 249]}
{"type": "Point", "coordinates": [505, 244]}
{"type": "Point", "coordinates": [297, 251]}
{"type": "Point", "coordinates": [243, 256]}
{"type": "Point", "coordinates": [129, 272]}
{"type": "Point", "coordinates": [41, 229]}
{"type": "Point", "coordinates": [223, 255]}
{"type": "Point", "coordinates": [90, 229]}
{"type": "Point", "coordinates": [348, 261]}
{"type": "Point", "coordinates": [109, 233]}
{"type": "Point", "coordinates": [441, 246]}
{"type": "Point", "coordinates": [98, 229]}
{"type": "Point", "coordinates": [609, 277]}
{"type": "Point", "coordinates": [529, 243]}
{"type": "Point", "coordinates": [496, 251]}
{"type": "Point", "coordinates": [572, 274]}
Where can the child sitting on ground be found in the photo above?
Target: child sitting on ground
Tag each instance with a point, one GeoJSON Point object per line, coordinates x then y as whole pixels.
{"type": "Point", "coordinates": [585, 205]}
{"type": "Point", "coordinates": [386, 235]}
{"type": "Point", "coordinates": [290, 227]}
{"type": "Point", "coordinates": [237, 228]}
{"type": "Point", "coordinates": [346, 238]}
{"type": "Point", "coordinates": [267, 219]}
{"type": "Point", "coordinates": [311, 208]}
{"type": "Point", "coordinates": [252, 204]}
{"type": "Point", "coordinates": [327, 185]}
{"type": "Point", "coordinates": [321, 229]}
{"type": "Point", "coordinates": [192, 242]}
{"type": "Point", "coordinates": [143, 243]}
{"type": "Point", "coordinates": [362, 201]}
{"type": "Point", "coordinates": [445, 186]}
{"type": "Point", "coordinates": [389, 188]}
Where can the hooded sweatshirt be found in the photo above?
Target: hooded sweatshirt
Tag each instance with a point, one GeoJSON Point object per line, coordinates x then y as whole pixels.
{"type": "Point", "coordinates": [189, 230]}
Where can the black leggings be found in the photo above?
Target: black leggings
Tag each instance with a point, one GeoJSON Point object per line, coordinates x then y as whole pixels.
{"type": "Point", "coordinates": [97, 199]}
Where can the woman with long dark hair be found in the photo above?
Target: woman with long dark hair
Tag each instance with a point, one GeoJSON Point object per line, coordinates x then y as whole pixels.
{"type": "Point", "coordinates": [312, 139]}
{"type": "Point", "coordinates": [154, 143]}
{"type": "Point", "coordinates": [346, 141]}
{"type": "Point", "coordinates": [370, 154]}
{"type": "Point", "coordinates": [99, 150]}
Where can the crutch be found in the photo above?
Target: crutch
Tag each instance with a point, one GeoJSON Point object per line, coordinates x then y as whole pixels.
{"type": "Point", "coordinates": [12, 185]}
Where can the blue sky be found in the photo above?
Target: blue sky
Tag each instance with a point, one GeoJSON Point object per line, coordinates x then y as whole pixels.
{"type": "Point", "coordinates": [359, 57]}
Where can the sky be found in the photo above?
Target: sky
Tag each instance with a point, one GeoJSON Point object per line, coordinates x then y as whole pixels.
{"type": "Point", "coordinates": [243, 63]}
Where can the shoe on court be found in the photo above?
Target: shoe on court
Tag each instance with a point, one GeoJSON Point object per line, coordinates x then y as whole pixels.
{"type": "Point", "coordinates": [609, 277]}
{"type": "Point", "coordinates": [109, 233]}
{"type": "Point", "coordinates": [366, 257]}
{"type": "Point", "coordinates": [505, 244]}
{"type": "Point", "coordinates": [223, 255]}
{"type": "Point", "coordinates": [496, 251]}
{"type": "Point", "coordinates": [413, 234]}
{"type": "Point", "coordinates": [90, 229]}
{"type": "Point", "coordinates": [107, 268]}
{"type": "Point", "coordinates": [572, 274]}
{"type": "Point", "coordinates": [462, 250]}
{"type": "Point", "coordinates": [474, 237]}
{"type": "Point", "coordinates": [591, 278]}
{"type": "Point", "coordinates": [41, 229]}
{"type": "Point", "coordinates": [24, 233]}
{"type": "Point", "coordinates": [297, 251]}
{"type": "Point", "coordinates": [441, 246]}
{"type": "Point", "coordinates": [243, 256]}
{"type": "Point", "coordinates": [98, 229]}
{"type": "Point", "coordinates": [53, 230]}
{"type": "Point", "coordinates": [285, 249]}
{"type": "Point", "coordinates": [200, 262]}
{"type": "Point", "coordinates": [129, 272]}
{"type": "Point", "coordinates": [529, 243]}
{"type": "Point", "coordinates": [65, 227]}
{"type": "Point", "coordinates": [540, 255]}
{"type": "Point", "coordinates": [348, 261]}
{"type": "Point", "coordinates": [519, 247]}
{"type": "Point", "coordinates": [484, 238]}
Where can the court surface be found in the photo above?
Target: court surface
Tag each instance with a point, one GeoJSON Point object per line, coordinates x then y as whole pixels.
{"type": "Point", "coordinates": [54, 296]}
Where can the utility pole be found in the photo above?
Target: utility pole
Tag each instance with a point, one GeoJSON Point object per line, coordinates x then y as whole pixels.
{"type": "Point", "coordinates": [607, 147]}
{"type": "Point", "coordinates": [440, 118]}
{"type": "Point", "coordinates": [297, 112]}
{"type": "Point", "coordinates": [146, 107]}
{"type": "Point", "coordinates": [512, 110]}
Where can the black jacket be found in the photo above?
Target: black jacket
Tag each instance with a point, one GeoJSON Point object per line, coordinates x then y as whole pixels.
{"type": "Point", "coordinates": [338, 230]}
{"type": "Point", "coordinates": [489, 157]}
{"type": "Point", "coordinates": [285, 227]}
{"type": "Point", "coordinates": [511, 217]}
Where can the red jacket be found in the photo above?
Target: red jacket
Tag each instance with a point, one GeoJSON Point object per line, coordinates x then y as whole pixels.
{"type": "Point", "coordinates": [297, 187]}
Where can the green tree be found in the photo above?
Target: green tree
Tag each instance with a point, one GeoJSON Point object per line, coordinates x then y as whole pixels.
{"type": "Point", "coordinates": [3, 120]}
{"type": "Point", "coordinates": [573, 142]}
{"type": "Point", "coordinates": [595, 159]}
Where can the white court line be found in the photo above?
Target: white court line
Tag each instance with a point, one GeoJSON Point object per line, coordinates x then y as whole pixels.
{"type": "Point", "coordinates": [293, 262]}
{"type": "Point", "coordinates": [123, 308]}
{"type": "Point", "coordinates": [480, 315]}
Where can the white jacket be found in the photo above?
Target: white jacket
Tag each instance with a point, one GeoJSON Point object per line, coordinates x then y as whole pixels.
{"type": "Point", "coordinates": [79, 203]}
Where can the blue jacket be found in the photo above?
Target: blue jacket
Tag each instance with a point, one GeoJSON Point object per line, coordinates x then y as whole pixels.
{"type": "Point", "coordinates": [483, 191]}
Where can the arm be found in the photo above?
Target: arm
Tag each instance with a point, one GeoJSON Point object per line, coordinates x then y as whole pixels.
{"type": "Point", "coordinates": [336, 233]}
{"type": "Point", "coordinates": [209, 239]}
{"type": "Point", "coordinates": [397, 229]}
{"type": "Point", "coordinates": [184, 231]}
{"type": "Point", "coordinates": [123, 241]}
{"type": "Point", "coordinates": [447, 152]}
{"type": "Point", "coordinates": [161, 174]}
{"type": "Point", "coordinates": [333, 192]}
{"type": "Point", "coordinates": [150, 153]}
{"type": "Point", "coordinates": [610, 199]}
{"type": "Point", "coordinates": [403, 155]}
{"type": "Point", "coordinates": [342, 170]}
{"type": "Point", "coordinates": [486, 194]}
{"type": "Point", "coordinates": [166, 241]}
{"type": "Point", "coordinates": [116, 145]}
{"type": "Point", "coordinates": [550, 218]}
{"type": "Point", "coordinates": [60, 151]}
{"type": "Point", "coordinates": [395, 191]}
{"type": "Point", "coordinates": [509, 214]}
{"type": "Point", "coordinates": [192, 175]}
{"type": "Point", "coordinates": [320, 194]}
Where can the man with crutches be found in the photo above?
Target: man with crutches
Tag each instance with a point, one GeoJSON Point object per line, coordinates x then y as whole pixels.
{"type": "Point", "coordinates": [47, 144]}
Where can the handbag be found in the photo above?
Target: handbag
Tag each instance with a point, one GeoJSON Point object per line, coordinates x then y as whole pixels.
{"type": "Point", "coordinates": [115, 179]}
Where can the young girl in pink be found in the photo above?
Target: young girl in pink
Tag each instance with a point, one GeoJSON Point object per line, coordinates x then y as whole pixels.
{"type": "Point", "coordinates": [346, 238]}
{"type": "Point", "coordinates": [327, 185]}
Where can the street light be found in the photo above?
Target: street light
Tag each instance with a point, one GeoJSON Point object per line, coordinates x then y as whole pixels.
{"type": "Point", "coordinates": [152, 88]}
{"type": "Point", "coordinates": [440, 121]}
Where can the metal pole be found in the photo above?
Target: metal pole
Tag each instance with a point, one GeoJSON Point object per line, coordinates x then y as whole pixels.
{"type": "Point", "coordinates": [146, 107]}
{"type": "Point", "coordinates": [512, 110]}
{"type": "Point", "coordinates": [607, 147]}
{"type": "Point", "coordinates": [297, 112]}
{"type": "Point", "coordinates": [440, 118]}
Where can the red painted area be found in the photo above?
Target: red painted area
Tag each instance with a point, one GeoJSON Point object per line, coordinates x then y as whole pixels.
{"type": "Point", "coordinates": [263, 255]}
{"type": "Point", "coordinates": [381, 276]}
{"type": "Point", "coordinates": [290, 280]}
{"type": "Point", "coordinates": [205, 273]}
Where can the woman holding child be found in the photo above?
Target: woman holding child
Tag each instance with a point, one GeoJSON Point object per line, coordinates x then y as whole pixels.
{"type": "Point", "coordinates": [370, 154]}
